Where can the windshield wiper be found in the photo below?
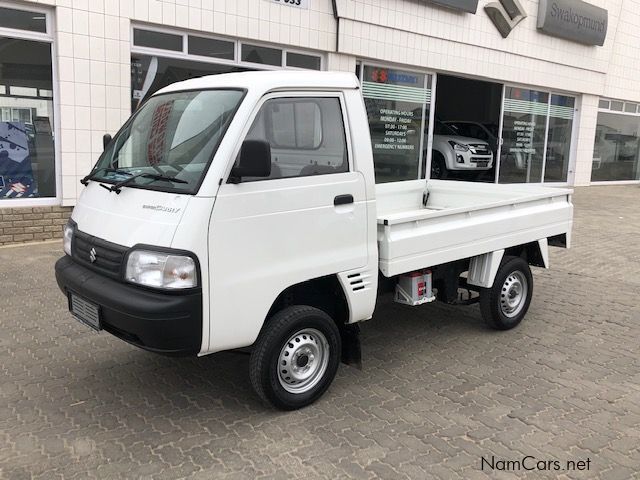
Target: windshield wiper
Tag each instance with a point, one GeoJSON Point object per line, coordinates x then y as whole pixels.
{"type": "Point", "coordinates": [85, 180]}
{"type": "Point", "coordinates": [117, 187]}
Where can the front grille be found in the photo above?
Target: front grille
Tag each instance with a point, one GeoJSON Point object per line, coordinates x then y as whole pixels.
{"type": "Point", "coordinates": [481, 149]}
{"type": "Point", "coordinates": [109, 257]}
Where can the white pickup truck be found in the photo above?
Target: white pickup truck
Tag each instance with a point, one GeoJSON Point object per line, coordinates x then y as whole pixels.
{"type": "Point", "coordinates": [241, 210]}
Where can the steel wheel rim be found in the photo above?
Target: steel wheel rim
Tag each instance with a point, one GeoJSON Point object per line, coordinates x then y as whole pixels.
{"type": "Point", "coordinates": [303, 360]}
{"type": "Point", "coordinates": [513, 294]}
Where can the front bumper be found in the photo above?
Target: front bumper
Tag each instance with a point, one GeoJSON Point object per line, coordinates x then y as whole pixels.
{"type": "Point", "coordinates": [167, 323]}
{"type": "Point", "coordinates": [473, 161]}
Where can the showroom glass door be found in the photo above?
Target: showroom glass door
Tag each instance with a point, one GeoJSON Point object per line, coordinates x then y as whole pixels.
{"type": "Point", "coordinates": [524, 123]}
{"type": "Point", "coordinates": [536, 136]}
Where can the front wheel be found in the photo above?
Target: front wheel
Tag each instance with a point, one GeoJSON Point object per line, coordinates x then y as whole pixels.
{"type": "Point", "coordinates": [295, 357]}
{"type": "Point", "coordinates": [438, 167]}
{"type": "Point", "coordinates": [505, 304]}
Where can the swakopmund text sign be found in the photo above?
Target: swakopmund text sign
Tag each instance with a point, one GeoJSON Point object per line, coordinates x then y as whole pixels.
{"type": "Point", "coordinates": [573, 20]}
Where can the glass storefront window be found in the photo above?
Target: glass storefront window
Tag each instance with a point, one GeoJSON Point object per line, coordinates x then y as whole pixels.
{"type": "Point", "coordinates": [397, 104]}
{"type": "Point", "coordinates": [264, 55]}
{"type": "Point", "coordinates": [559, 138]}
{"type": "Point", "coordinates": [211, 47]}
{"type": "Point", "coordinates": [153, 39]}
{"type": "Point", "coordinates": [300, 60]}
{"type": "Point", "coordinates": [27, 160]}
{"type": "Point", "coordinates": [523, 134]}
{"type": "Point", "coordinates": [23, 20]}
{"type": "Point", "coordinates": [616, 148]}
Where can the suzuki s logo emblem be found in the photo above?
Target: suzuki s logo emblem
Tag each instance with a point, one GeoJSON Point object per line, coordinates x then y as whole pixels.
{"type": "Point", "coordinates": [93, 255]}
{"type": "Point", "coordinates": [505, 15]}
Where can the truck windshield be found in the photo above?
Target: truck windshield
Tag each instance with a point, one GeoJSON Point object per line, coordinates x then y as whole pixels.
{"type": "Point", "coordinates": [173, 135]}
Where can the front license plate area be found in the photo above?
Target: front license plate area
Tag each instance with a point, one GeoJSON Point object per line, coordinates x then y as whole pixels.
{"type": "Point", "coordinates": [85, 311]}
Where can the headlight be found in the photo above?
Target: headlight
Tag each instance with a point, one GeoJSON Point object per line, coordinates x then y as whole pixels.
{"type": "Point", "coordinates": [67, 238]}
{"type": "Point", "coordinates": [458, 147]}
{"type": "Point", "coordinates": [161, 270]}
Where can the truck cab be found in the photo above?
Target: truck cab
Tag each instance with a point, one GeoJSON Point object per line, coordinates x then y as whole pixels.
{"type": "Point", "coordinates": [241, 210]}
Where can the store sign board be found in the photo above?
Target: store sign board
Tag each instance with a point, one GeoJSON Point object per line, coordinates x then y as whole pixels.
{"type": "Point", "coordinates": [469, 6]}
{"type": "Point", "coordinates": [573, 20]}
{"type": "Point", "coordinates": [293, 3]}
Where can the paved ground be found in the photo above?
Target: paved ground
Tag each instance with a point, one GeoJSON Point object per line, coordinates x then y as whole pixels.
{"type": "Point", "coordinates": [439, 391]}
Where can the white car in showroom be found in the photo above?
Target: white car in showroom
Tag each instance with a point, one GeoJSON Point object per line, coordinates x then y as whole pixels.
{"type": "Point", "coordinates": [452, 152]}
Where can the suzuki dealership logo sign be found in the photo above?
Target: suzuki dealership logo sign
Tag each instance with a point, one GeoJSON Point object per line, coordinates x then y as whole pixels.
{"type": "Point", "coordinates": [505, 15]}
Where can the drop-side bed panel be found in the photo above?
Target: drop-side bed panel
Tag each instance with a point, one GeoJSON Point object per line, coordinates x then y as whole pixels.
{"type": "Point", "coordinates": [488, 218]}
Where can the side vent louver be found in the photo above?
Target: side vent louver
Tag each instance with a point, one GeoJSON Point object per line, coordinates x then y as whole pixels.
{"type": "Point", "coordinates": [359, 281]}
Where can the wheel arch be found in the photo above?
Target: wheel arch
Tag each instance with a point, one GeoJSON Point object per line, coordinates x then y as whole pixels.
{"type": "Point", "coordinates": [326, 294]}
{"type": "Point", "coordinates": [484, 268]}
{"type": "Point", "coordinates": [535, 253]}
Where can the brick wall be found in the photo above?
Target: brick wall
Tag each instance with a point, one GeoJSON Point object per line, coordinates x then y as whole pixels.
{"type": "Point", "coordinates": [21, 225]}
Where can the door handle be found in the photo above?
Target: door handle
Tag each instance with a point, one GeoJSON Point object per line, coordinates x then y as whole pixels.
{"type": "Point", "coordinates": [343, 199]}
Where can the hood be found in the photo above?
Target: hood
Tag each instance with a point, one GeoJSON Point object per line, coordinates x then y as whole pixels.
{"type": "Point", "coordinates": [134, 216]}
{"type": "Point", "coordinates": [464, 140]}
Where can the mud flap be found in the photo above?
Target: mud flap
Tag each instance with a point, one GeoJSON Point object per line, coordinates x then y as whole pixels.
{"type": "Point", "coordinates": [351, 349]}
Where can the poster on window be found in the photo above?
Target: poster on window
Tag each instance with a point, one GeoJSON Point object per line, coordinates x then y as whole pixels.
{"type": "Point", "coordinates": [16, 172]}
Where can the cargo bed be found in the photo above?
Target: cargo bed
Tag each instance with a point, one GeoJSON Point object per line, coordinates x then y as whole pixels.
{"type": "Point", "coordinates": [462, 220]}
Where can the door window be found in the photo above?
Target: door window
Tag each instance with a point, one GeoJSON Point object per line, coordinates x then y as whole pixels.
{"type": "Point", "coordinates": [306, 135]}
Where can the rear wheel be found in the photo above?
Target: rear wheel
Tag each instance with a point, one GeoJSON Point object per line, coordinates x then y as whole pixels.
{"type": "Point", "coordinates": [295, 357]}
{"type": "Point", "coordinates": [505, 304]}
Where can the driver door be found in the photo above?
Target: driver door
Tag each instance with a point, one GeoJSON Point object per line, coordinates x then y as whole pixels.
{"type": "Point", "coordinates": [308, 219]}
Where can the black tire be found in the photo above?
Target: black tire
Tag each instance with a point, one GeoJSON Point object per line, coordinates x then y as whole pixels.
{"type": "Point", "coordinates": [497, 301]}
{"type": "Point", "coordinates": [268, 354]}
{"type": "Point", "coordinates": [438, 166]}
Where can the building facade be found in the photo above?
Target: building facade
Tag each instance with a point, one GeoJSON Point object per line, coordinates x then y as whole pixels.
{"type": "Point", "coordinates": [549, 87]}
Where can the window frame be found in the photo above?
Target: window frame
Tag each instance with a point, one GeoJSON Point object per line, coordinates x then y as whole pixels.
{"type": "Point", "coordinates": [291, 94]}
{"type": "Point", "coordinates": [47, 37]}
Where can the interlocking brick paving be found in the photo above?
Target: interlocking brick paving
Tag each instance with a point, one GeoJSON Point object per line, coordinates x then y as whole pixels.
{"type": "Point", "coordinates": [438, 390]}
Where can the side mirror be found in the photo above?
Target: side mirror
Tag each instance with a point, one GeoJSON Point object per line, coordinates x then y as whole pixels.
{"type": "Point", "coordinates": [255, 161]}
{"type": "Point", "coordinates": [106, 140]}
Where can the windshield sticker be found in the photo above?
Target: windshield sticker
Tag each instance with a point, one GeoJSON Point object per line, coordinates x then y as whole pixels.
{"type": "Point", "coordinates": [156, 143]}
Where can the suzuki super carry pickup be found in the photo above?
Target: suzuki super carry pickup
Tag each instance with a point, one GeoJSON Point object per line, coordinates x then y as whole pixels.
{"type": "Point", "coordinates": [241, 210]}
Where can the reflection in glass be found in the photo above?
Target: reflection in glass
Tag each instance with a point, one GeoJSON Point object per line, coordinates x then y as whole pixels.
{"type": "Point", "coordinates": [523, 134]}
{"type": "Point", "coordinates": [150, 73]}
{"type": "Point", "coordinates": [27, 162]}
{"type": "Point", "coordinates": [615, 152]}
{"type": "Point", "coordinates": [397, 104]}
